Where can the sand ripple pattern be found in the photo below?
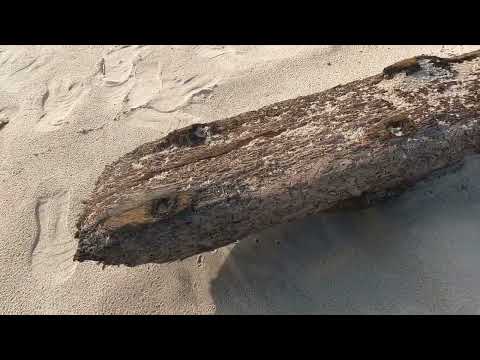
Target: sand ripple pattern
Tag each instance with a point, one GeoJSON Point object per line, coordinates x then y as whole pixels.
{"type": "Point", "coordinates": [151, 103]}
{"type": "Point", "coordinates": [52, 254]}
{"type": "Point", "coordinates": [14, 63]}
{"type": "Point", "coordinates": [158, 88]}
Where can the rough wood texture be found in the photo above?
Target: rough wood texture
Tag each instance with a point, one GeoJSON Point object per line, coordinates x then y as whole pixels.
{"type": "Point", "coordinates": [208, 185]}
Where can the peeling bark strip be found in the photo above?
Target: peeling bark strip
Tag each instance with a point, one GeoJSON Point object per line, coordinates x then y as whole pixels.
{"type": "Point", "coordinates": [208, 185]}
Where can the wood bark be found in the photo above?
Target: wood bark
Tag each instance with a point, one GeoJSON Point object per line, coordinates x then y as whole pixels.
{"type": "Point", "coordinates": [208, 185]}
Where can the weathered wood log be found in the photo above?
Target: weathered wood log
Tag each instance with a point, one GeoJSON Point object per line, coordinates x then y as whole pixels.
{"type": "Point", "coordinates": [208, 185]}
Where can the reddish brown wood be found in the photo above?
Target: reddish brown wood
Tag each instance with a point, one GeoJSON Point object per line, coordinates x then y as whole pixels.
{"type": "Point", "coordinates": [208, 185]}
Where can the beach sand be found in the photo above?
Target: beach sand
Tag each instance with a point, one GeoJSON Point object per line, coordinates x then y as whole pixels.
{"type": "Point", "coordinates": [67, 111]}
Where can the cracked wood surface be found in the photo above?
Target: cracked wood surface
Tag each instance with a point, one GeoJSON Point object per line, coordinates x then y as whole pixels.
{"type": "Point", "coordinates": [208, 185]}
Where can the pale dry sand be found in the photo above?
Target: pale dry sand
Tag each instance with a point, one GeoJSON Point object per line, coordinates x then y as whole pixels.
{"type": "Point", "coordinates": [70, 110]}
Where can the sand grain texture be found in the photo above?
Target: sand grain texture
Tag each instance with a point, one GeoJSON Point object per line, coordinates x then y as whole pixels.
{"type": "Point", "coordinates": [70, 110]}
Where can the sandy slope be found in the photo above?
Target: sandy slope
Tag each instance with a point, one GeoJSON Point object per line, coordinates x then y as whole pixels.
{"type": "Point", "coordinates": [71, 110]}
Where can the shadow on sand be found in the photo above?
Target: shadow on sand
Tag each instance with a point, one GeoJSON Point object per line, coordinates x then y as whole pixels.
{"type": "Point", "coordinates": [414, 254]}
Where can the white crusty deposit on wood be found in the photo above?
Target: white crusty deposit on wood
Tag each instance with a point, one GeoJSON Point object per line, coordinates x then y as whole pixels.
{"type": "Point", "coordinates": [208, 185]}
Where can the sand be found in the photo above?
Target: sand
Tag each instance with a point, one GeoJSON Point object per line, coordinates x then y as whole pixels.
{"type": "Point", "coordinates": [67, 111]}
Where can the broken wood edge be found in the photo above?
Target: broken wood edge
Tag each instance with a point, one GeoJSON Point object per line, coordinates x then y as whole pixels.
{"type": "Point", "coordinates": [411, 65]}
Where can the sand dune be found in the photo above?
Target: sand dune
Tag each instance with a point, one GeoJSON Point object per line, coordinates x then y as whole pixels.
{"type": "Point", "coordinates": [67, 111]}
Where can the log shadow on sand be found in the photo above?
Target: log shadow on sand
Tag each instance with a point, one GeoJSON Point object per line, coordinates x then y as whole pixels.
{"type": "Point", "coordinates": [414, 254]}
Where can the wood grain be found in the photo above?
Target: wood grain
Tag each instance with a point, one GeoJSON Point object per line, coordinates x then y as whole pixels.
{"type": "Point", "coordinates": [211, 184]}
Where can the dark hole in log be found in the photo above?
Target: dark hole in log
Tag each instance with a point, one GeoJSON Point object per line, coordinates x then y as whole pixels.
{"type": "Point", "coordinates": [160, 207]}
{"type": "Point", "coordinates": [195, 134]}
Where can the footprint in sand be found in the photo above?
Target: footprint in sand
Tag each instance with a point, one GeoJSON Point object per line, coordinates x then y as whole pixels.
{"type": "Point", "coordinates": [53, 249]}
{"type": "Point", "coordinates": [155, 89]}
{"type": "Point", "coordinates": [148, 82]}
{"type": "Point", "coordinates": [155, 98]}
{"type": "Point", "coordinates": [58, 102]}
{"type": "Point", "coordinates": [115, 72]}
{"type": "Point", "coordinates": [118, 66]}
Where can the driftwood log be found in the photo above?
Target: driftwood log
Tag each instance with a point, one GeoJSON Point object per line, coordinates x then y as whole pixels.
{"type": "Point", "coordinates": [208, 185]}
